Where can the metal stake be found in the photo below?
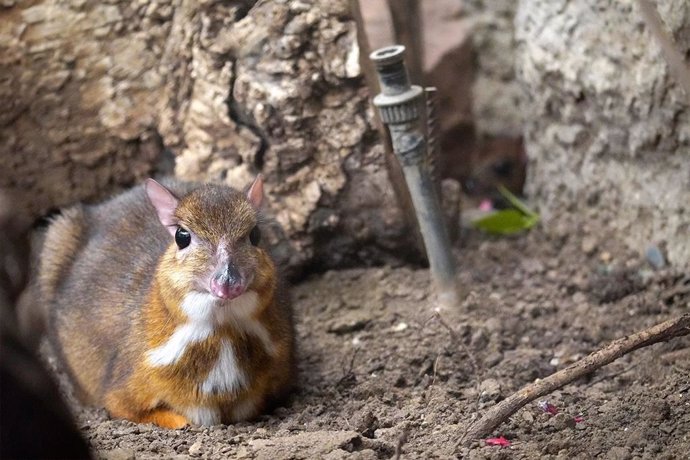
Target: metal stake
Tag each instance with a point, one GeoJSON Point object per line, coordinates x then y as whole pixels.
{"type": "Point", "coordinates": [399, 104]}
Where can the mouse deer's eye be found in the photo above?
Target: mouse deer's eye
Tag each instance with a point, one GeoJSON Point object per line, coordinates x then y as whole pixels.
{"type": "Point", "coordinates": [182, 238]}
{"type": "Point", "coordinates": [255, 235]}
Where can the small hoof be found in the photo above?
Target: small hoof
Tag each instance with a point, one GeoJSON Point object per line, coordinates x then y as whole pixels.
{"type": "Point", "coordinates": [166, 419]}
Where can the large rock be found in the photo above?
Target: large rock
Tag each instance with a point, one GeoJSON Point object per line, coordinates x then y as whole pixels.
{"type": "Point", "coordinates": [100, 95]}
{"type": "Point", "coordinates": [608, 131]}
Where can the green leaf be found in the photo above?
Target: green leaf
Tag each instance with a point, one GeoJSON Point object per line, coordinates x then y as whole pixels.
{"type": "Point", "coordinates": [516, 202]}
{"type": "Point", "coordinates": [505, 222]}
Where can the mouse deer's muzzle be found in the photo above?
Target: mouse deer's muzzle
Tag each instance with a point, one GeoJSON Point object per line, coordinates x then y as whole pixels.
{"type": "Point", "coordinates": [226, 281]}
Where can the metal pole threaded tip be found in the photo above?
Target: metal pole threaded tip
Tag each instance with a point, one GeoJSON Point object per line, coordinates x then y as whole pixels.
{"type": "Point", "coordinates": [388, 55]}
{"type": "Point", "coordinates": [390, 66]}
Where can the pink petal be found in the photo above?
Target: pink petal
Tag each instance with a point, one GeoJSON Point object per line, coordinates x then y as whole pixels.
{"type": "Point", "coordinates": [548, 407]}
{"type": "Point", "coordinates": [486, 205]}
{"type": "Point", "coordinates": [500, 441]}
{"type": "Point", "coordinates": [579, 419]}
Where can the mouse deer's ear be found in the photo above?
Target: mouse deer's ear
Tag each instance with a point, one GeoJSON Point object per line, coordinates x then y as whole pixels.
{"type": "Point", "coordinates": [164, 201]}
{"type": "Point", "coordinates": [255, 194]}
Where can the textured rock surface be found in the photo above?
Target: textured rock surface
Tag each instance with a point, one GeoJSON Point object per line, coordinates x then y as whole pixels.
{"type": "Point", "coordinates": [100, 95]}
{"type": "Point", "coordinates": [75, 118]}
{"type": "Point", "coordinates": [496, 95]}
{"type": "Point", "coordinates": [608, 132]}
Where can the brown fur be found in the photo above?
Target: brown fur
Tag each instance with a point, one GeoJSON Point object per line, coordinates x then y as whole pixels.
{"type": "Point", "coordinates": [115, 288]}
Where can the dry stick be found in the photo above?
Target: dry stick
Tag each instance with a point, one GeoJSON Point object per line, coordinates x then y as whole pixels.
{"type": "Point", "coordinates": [674, 58]}
{"type": "Point", "coordinates": [500, 412]}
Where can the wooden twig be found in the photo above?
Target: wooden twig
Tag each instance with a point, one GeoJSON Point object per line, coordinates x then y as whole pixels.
{"type": "Point", "coordinates": [500, 412]}
{"type": "Point", "coordinates": [674, 58]}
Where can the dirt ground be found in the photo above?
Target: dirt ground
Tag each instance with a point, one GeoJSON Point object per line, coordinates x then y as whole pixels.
{"type": "Point", "coordinates": [381, 373]}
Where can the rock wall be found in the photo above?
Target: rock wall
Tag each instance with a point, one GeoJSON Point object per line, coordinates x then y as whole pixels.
{"type": "Point", "coordinates": [607, 130]}
{"type": "Point", "coordinates": [497, 95]}
{"type": "Point", "coordinates": [99, 95]}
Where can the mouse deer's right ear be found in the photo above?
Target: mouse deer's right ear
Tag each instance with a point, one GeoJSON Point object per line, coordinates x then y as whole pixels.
{"type": "Point", "coordinates": [164, 201]}
{"type": "Point", "coordinates": [255, 193]}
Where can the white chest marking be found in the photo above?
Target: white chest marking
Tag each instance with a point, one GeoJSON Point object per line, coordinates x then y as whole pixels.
{"type": "Point", "coordinates": [204, 315]}
{"type": "Point", "coordinates": [172, 350]}
{"type": "Point", "coordinates": [203, 415]}
{"type": "Point", "coordinates": [226, 376]}
{"type": "Point", "coordinates": [237, 309]}
{"type": "Point", "coordinates": [199, 306]}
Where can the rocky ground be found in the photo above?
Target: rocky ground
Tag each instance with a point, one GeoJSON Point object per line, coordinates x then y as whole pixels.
{"type": "Point", "coordinates": [382, 375]}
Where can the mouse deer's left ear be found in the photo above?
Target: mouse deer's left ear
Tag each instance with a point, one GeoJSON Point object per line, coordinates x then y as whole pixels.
{"type": "Point", "coordinates": [164, 202]}
{"type": "Point", "coordinates": [255, 194]}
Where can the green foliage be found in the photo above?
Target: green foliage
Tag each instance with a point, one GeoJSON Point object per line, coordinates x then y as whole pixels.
{"type": "Point", "coordinates": [508, 221]}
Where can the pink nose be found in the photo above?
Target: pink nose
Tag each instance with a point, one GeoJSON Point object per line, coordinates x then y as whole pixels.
{"type": "Point", "coordinates": [225, 290]}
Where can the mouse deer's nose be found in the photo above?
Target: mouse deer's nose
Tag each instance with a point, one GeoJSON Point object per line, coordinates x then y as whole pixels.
{"type": "Point", "coordinates": [226, 282]}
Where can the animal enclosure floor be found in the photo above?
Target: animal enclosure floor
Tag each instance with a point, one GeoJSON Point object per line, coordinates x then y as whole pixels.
{"type": "Point", "coordinates": [379, 371]}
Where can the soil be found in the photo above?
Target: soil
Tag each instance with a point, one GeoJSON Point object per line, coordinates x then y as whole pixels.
{"type": "Point", "coordinates": [382, 374]}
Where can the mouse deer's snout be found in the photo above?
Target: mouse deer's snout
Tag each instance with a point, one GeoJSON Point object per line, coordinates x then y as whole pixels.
{"type": "Point", "coordinates": [226, 281]}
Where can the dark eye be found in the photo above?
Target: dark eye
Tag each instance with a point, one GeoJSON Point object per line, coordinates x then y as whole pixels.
{"type": "Point", "coordinates": [182, 238]}
{"type": "Point", "coordinates": [255, 235]}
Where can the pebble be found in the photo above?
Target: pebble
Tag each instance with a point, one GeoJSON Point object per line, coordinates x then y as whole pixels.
{"type": "Point", "coordinates": [561, 421]}
{"type": "Point", "coordinates": [533, 266]}
{"type": "Point", "coordinates": [195, 449]}
{"type": "Point", "coordinates": [489, 390]}
{"type": "Point", "coordinates": [589, 245]}
{"type": "Point", "coordinates": [618, 453]}
{"type": "Point", "coordinates": [117, 454]}
{"type": "Point", "coordinates": [655, 257]}
{"type": "Point", "coordinates": [399, 327]}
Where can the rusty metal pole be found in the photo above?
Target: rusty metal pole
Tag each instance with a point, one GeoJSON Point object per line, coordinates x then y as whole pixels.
{"type": "Point", "coordinates": [400, 104]}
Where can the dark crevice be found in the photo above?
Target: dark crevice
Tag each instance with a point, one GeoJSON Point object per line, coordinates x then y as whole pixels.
{"type": "Point", "coordinates": [241, 117]}
{"type": "Point", "coordinates": [243, 9]}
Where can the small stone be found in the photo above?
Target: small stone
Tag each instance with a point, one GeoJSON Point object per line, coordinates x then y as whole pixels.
{"type": "Point", "coordinates": [348, 325]}
{"type": "Point", "coordinates": [618, 453]}
{"type": "Point", "coordinates": [533, 266]}
{"type": "Point", "coordinates": [195, 449]}
{"type": "Point", "coordinates": [589, 245]}
{"type": "Point", "coordinates": [366, 424]}
{"type": "Point", "coordinates": [117, 454]}
{"type": "Point", "coordinates": [493, 359]}
{"type": "Point", "coordinates": [479, 339]}
{"type": "Point", "coordinates": [489, 390]}
{"type": "Point", "coordinates": [658, 410]}
{"type": "Point", "coordinates": [655, 258]}
{"type": "Point", "coordinates": [400, 327]}
{"type": "Point", "coordinates": [561, 421]}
